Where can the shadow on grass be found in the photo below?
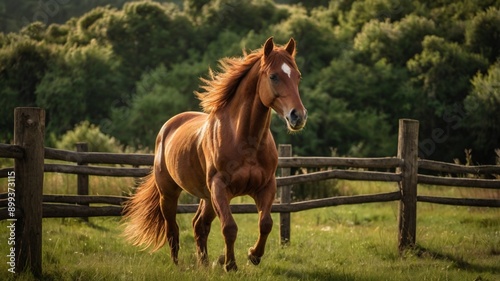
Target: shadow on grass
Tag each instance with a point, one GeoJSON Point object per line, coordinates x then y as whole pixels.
{"type": "Point", "coordinates": [96, 226]}
{"type": "Point", "coordinates": [458, 262]}
{"type": "Point", "coordinates": [300, 273]}
{"type": "Point", "coordinates": [87, 223]}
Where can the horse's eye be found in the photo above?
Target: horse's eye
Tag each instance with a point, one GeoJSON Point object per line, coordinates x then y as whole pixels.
{"type": "Point", "coordinates": [273, 77]}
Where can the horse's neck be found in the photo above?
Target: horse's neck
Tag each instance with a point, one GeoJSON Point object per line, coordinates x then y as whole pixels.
{"type": "Point", "coordinates": [249, 118]}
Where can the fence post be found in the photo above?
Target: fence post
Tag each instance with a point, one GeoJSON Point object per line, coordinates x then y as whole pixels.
{"type": "Point", "coordinates": [82, 180]}
{"type": "Point", "coordinates": [408, 151]}
{"type": "Point", "coordinates": [29, 128]}
{"type": "Point", "coordinates": [285, 150]}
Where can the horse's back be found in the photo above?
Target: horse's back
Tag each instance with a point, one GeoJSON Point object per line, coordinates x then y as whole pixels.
{"type": "Point", "coordinates": [179, 120]}
{"type": "Point", "coordinates": [178, 154]}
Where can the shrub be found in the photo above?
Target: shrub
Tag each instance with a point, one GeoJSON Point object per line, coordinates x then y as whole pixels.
{"type": "Point", "coordinates": [91, 134]}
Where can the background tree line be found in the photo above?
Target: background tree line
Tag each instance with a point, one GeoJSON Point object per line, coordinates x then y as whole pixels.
{"type": "Point", "coordinates": [127, 67]}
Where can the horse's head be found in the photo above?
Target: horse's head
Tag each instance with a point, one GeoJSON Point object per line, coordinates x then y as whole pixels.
{"type": "Point", "coordinates": [279, 83]}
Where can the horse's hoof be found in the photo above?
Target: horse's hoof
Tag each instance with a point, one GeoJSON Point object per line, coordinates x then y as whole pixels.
{"type": "Point", "coordinates": [203, 263]}
{"type": "Point", "coordinates": [254, 259]}
{"type": "Point", "coordinates": [231, 266]}
{"type": "Point", "coordinates": [221, 260]}
{"type": "Point", "coordinates": [203, 260]}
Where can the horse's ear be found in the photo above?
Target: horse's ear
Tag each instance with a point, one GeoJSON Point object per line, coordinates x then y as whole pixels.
{"type": "Point", "coordinates": [268, 46]}
{"type": "Point", "coordinates": [290, 47]}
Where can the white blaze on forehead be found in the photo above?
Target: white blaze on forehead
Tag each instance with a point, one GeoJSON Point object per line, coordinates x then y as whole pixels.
{"type": "Point", "coordinates": [287, 69]}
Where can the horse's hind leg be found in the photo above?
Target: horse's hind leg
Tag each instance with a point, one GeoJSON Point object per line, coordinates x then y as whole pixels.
{"type": "Point", "coordinates": [170, 192]}
{"type": "Point", "coordinates": [202, 222]}
{"type": "Point", "coordinates": [264, 201]}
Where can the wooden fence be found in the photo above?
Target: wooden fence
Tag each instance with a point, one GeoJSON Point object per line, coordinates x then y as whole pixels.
{"type": "Point", "coordinates": [24, 203]}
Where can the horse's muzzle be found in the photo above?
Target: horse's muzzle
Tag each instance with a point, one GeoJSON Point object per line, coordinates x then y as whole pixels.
{"type": "Point", "coordinates": [296, 119]}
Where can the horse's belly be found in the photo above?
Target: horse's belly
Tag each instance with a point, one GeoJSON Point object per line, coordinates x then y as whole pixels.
{"type": "Point", "coordinates": [181, 157]}
{"type": "Point", "coordinates": [187, 171]}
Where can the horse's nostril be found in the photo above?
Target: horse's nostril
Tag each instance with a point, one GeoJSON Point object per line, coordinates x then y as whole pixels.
{"type": "Point", "coordinates": [296, 119]}
{"type": "Point", "coordinates": [293, 115]}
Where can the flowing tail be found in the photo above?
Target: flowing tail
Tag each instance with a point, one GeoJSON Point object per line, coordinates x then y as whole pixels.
{"type": "Point", "coordinates": [143, 218]}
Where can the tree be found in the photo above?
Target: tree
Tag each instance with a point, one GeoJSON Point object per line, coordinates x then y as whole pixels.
{"type": "Point", "coordinates": [23, 63]}
{"type": "Point", "coordinates": [443, 70]}
{"type": "Point", "coordinates": [483, 34]}
{"type": "Point", "coordinates": [397, 42]}
{"type": "Point", "coordinates": [84, 84]}
{"type": "Point", "coordinates": [366, 10]}
{"type": "Point", "coordinates": [442, 73]}
{"type": "Point", "coordinates": [147, 34]}
{"type": "Point", "coordinates": [483, 114]}
{"type": "Point", "coordinates": [161, 94]}
{"type": "Point", "coordinates": [14, 15]}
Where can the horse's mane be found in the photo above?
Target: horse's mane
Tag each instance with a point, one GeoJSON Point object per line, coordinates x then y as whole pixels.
{"type": "Point", "coordinates": [221, 86]}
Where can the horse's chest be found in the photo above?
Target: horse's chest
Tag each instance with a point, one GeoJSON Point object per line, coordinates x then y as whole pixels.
{"type": "Point", "coordinates": [246, 170]}
{"type": "Point", "coordinates": [248, 178]}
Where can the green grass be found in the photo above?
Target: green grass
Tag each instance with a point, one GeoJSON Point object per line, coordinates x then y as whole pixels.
{"type": "Point", "coordinates": [355, 242]}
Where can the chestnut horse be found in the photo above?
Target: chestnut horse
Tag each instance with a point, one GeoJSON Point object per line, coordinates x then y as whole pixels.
{"type": "Point", "coordinates": [227, 151]}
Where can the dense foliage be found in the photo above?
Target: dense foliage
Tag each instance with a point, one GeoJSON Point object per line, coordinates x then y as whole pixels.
{"type": "Point", "coordinates": [129, 66]}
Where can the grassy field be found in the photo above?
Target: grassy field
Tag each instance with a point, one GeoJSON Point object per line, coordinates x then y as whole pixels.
{"type": "Point", "coordinates": [355, 242]}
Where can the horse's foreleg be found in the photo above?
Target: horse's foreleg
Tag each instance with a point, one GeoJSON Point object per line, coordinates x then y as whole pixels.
{"type": "Point", "coordinates": [264, 201]}
{"type": "Point", "coordinates": [220, 201]}
{"type": "Point", "coordinates": [202, 222]}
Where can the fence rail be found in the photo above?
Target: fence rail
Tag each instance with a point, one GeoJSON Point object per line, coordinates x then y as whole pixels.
{"type": "Point", "coordinates": [31, 205]}
{"type": "Point", "coordinates": [99, 157]}
{"type": "Point", "coordinates": [457, 169]}
{"type": "Point", "coordinates": [319, 162]}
